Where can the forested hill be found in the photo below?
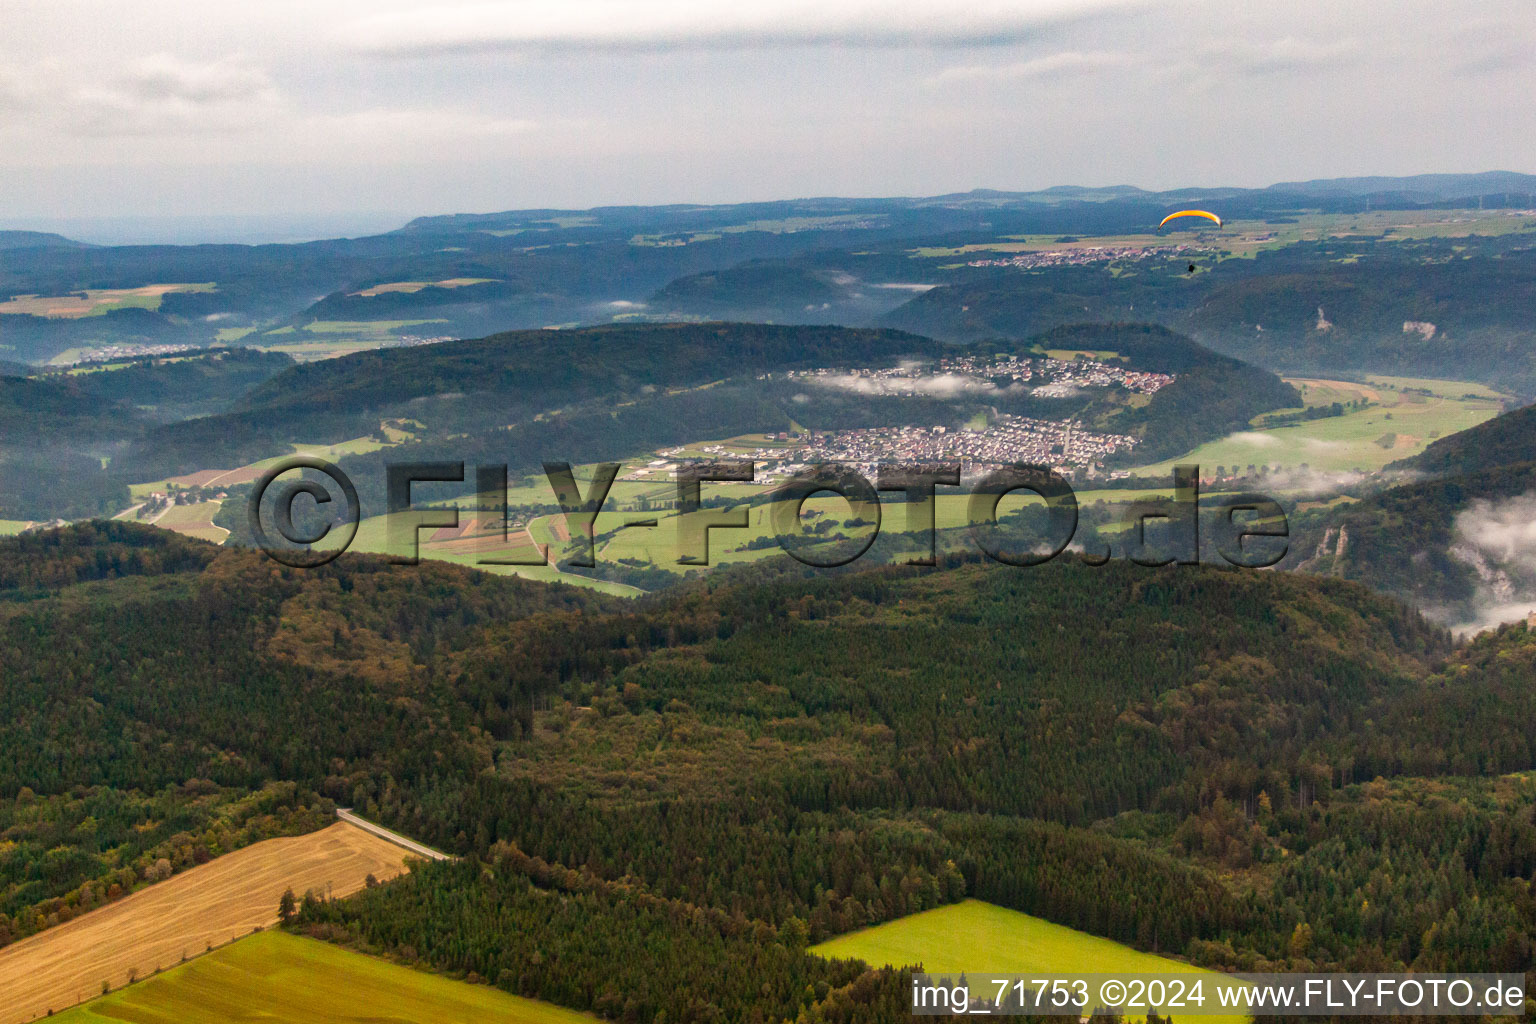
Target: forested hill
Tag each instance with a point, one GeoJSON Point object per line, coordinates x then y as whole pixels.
{"type": "Point", "coordinates": [37, 240]}
{"type": "Point", "coordinates": [657, 377]}
{"type": "Point", "coordinates": [49, 411]}
{"type": "Point", "coordinates": [1180, 759]}
{"type": "Point", "coordinates": [571, 365]}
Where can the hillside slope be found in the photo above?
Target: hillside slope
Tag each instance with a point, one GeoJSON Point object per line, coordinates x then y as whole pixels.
{"type": "Point", "coordinates": [1452, 539]}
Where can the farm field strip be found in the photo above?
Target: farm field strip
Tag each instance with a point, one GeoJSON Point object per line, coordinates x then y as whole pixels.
{"type": "Point", "coordinates": [280, 977]}
{"type": "Point", "coordinates": [185, 915]}
{"type": "Point", "coordinates": [194, 520]}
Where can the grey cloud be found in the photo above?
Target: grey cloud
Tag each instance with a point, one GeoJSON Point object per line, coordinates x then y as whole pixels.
{"type": "Point", "coordinates": [161, 93]}
{"type": "Point", "coordinates": [689, 24]}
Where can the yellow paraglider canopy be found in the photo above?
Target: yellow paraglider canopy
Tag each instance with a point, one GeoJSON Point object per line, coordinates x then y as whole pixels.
{"type": "Point", "coordinates": [1189, 213]}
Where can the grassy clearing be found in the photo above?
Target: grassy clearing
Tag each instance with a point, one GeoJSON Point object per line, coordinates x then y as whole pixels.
{"type": "Point", "coordinates": [978, 937]}
{"type": "Point", "coordinates": [279, 977]}
{"type": "Point", "coordinates": [11, 527]}
{"type": "Point", "coordinates": [973, 935]}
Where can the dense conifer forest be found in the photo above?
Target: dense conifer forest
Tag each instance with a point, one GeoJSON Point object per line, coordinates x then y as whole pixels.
{"type": "Point", "coordinates": [660, 804]}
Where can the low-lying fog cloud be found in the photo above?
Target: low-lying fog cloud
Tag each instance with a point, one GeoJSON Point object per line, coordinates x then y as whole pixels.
{"type": "Point", "coordinates": [1498, 540]}
{"type": "Point", "coordinates": [942, 385]}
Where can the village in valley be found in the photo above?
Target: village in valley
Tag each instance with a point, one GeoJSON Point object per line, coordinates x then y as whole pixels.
{"type": "Point", "coordinates": [1006, 440]}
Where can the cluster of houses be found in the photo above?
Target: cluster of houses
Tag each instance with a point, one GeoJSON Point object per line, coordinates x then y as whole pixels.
{"type": "Point", "coordinates": [1068, 375]}
{"type": "Point", "coordinates": [413, 340]}
{"type": "Point", "coordinates": [159, 501]}
{"type": "Point", "coordinates": [107, 353]}
{"type": "Point", "coordinates": [1087, 255]}
{"type": "Point", "coordinates": [1007, 440]}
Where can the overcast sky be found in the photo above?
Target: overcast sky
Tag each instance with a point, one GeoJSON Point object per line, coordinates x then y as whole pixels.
{"type": "Point", "coordinates": [161, 108]}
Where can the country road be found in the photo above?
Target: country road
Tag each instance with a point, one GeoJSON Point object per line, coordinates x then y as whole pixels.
{"type": "Point", "coordinates": [346, 815]}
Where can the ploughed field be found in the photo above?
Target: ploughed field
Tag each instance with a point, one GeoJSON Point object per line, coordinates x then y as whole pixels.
{"type": "Point", "coordinates": [184, 916]}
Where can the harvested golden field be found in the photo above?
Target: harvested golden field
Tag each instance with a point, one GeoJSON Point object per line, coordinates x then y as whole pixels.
{"type": "Point", "coordinates": [159, 926]}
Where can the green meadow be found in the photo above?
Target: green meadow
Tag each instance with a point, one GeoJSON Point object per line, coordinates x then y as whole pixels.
{"type": "Point", "coordinates": [1397, 421]}
{"type": "Point", "coordinates": [273, 976]}
{"type": "Point", "coordinates": [978, 938]}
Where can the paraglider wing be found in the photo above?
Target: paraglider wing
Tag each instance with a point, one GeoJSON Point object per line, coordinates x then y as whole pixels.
{"type": "Point", "coordinates": [1190, 213]}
